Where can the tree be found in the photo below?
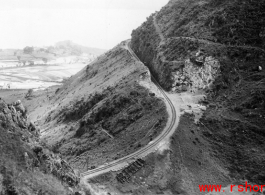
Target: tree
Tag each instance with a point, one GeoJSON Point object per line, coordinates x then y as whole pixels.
{"type": "Point", "coordinates": [28, 50]}
{"type": "Point", "coordinates": [50, 49]}
{"type": "Point", "coordinates": [29, 93]}
{"type": "Point", "coordinates": [45, 60]}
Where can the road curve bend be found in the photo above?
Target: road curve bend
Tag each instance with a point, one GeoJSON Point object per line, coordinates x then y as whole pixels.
{"type": "Point", "coordinates": [172, 124]}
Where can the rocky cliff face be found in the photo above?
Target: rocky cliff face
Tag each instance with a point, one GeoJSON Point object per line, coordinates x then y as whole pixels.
{"type": "Point", "coordinates": [26, 165]}
{"type": "Point", "coordinates": [196, 77]}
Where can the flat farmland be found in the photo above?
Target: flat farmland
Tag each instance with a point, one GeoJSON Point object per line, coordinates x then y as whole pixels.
{"type": "Point", "coordinates": [37, 76]}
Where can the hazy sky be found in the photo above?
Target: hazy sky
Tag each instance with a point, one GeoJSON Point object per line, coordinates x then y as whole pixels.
{"type": "Point", "coordinates": [94, 23]}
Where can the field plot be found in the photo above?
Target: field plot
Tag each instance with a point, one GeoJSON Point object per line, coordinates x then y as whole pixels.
{"type": "Point", "coordinates": [37, 76]}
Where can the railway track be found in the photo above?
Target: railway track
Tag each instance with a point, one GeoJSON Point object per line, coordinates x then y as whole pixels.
{"type": "Point", "coordinates": [151, 146]}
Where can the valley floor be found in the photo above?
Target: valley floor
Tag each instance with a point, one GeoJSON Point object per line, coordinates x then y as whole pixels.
{"type": "Point", "coordinates": [37, 76]}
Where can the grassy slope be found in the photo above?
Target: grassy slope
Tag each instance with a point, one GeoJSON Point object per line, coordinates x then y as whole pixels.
{"type": "Point", "coordinates": [101, 113]}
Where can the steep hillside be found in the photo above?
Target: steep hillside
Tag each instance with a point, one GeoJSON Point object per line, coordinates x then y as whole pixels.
{"type": "Point", "coordinates": [26, 165]}
{"type": "Point", "coordinates": [217, 48]}
{"type": "Point", "coordinates": [231, 22]}
{"type": "Point", "coordinates": [102, 113]}
{"type": "Point", "coordinates": [186, 32]}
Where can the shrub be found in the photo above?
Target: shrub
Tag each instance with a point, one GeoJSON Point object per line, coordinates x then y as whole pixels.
{"type": "Point", "coordinates": [29, 93]}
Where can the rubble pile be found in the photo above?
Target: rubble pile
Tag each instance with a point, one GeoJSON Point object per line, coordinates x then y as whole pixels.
{"type": "Point", "coordinates": [126, 173]}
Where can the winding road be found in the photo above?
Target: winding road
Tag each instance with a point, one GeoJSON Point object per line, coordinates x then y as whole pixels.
{"type": "Point", "coordinates": [172, 124]}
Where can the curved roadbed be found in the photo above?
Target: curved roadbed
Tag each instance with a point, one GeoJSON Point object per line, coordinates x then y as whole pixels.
{"type": "Point", "coordinates": [171, 126]}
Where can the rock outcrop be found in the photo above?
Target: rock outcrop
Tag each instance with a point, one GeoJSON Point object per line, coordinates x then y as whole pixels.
{"type": "Point", "coordinates": [21, 152]}
{"type": "Point", "coordinates": [193, 77]}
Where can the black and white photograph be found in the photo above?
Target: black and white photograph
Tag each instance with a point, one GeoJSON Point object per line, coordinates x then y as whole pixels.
{"type": "Point", "coordinates": [132, 97]}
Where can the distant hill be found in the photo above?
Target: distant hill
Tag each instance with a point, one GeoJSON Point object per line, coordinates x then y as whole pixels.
{"type": "Point", "coordinates": [73, 46]}
{"type": "Point", "coordinates": [61, 52]}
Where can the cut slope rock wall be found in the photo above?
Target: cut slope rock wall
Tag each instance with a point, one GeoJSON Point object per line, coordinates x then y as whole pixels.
{"type": "Point", "coordinates": [196, 77]}
{"type": "Point", "coordinates": [178, 64]}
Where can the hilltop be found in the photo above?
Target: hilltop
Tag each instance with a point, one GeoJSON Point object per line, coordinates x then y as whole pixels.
{"type": "Point", "coordinates": [73, 46]}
